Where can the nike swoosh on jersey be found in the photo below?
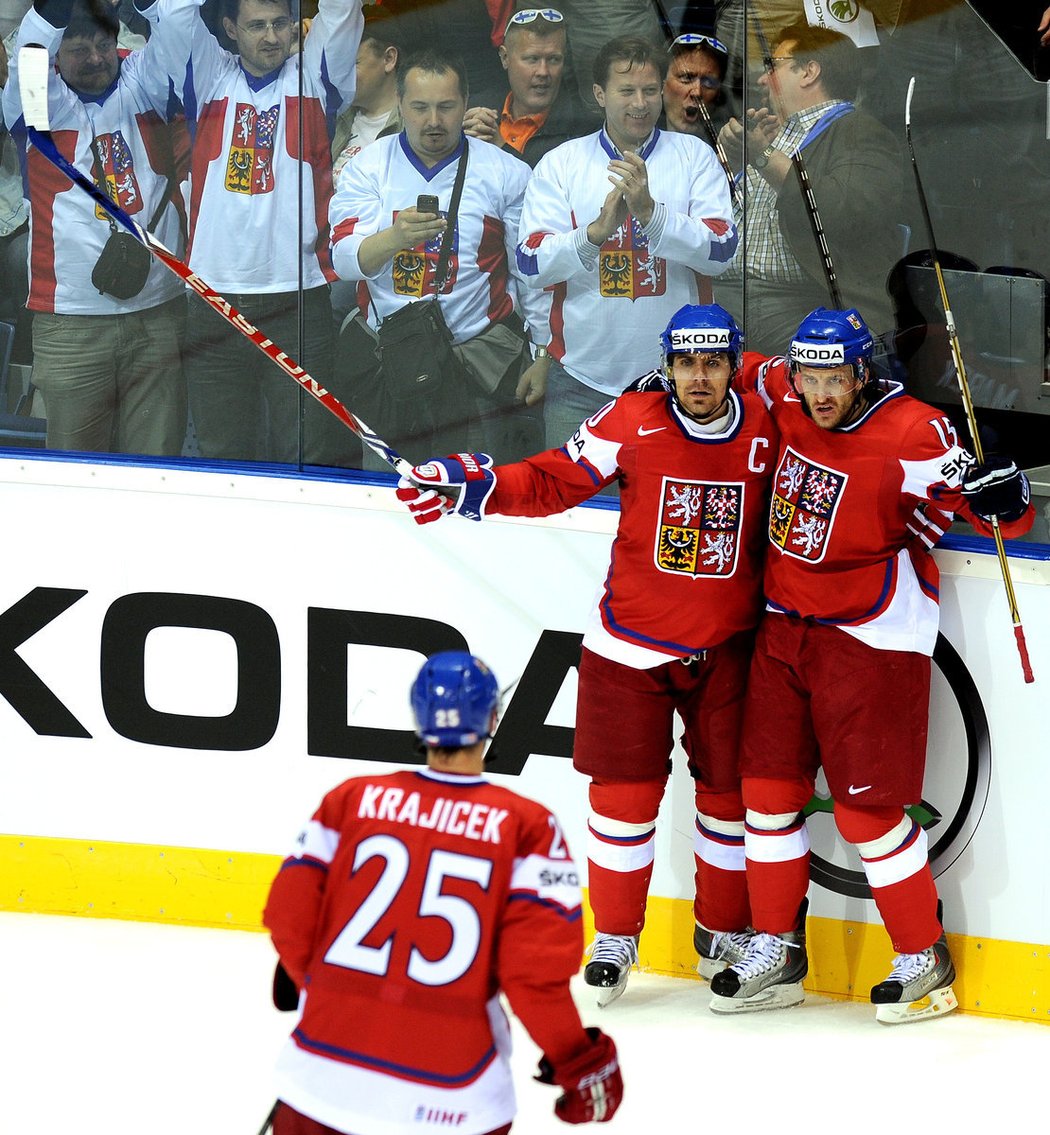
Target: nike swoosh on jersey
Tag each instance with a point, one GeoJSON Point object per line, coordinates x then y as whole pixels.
{"type": "Point", "coordinates": [853, 791]}
{"type": "Point", "coordinates": [643, 432]}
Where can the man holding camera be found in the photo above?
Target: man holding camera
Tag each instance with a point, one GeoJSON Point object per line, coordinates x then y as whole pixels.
{"type": "Point", "coordinates": [107, 362]}
{"type": "Point", "coordinates": [389, 219]}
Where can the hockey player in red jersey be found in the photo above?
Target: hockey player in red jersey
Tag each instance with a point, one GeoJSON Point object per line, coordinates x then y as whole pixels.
{"type": "Point", "coordinates": [867, 481]}
{"type": "Point", "coordinates": [673, 625]}
{"type": "Point", "coordinates": [412, 900]}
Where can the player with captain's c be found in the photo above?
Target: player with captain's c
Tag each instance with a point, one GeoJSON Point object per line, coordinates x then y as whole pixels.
{"type": "Point", "coordinates": [673, 624]}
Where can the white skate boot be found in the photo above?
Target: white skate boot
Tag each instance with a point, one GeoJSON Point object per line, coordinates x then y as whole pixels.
{"type": "Point", "coordinates": [611, 958]}
{"type": "Point", "coordinates": [919, 987]}
{"type": "Point", "coordinates": [719, 949]}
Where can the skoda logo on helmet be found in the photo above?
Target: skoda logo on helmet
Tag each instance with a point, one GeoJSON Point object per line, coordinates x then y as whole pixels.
{"type": "Point", "coordinates": [701, 339]}
{"type": "Point", "coordinates": [832, 354]}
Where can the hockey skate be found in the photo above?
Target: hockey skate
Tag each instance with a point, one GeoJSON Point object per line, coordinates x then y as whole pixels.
{"type": "Point", "coordinates": [919, 987]}
{"type": "Point", "coordinates": [719, 949]}
{"type": "Point", "coordinates": [611, 958]}
{"type": "Point", "coordinates": [768, 977]}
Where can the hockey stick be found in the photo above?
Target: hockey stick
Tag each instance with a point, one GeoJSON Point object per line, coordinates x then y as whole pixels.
{"type": "Point", "coordinates": [33, 67]}
{"type": "Point", "coordinates": [268, 1121]}
{"type": "Point", "coordinates": [723, 160]}
{"type": "Point", "coordinates": [964, 390]}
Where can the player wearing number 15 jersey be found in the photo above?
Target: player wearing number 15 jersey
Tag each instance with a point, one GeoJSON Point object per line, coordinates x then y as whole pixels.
{"type": "Point", "coordinates": [867, 480]}
{"type": "Point", "coordinates": [412, 900]}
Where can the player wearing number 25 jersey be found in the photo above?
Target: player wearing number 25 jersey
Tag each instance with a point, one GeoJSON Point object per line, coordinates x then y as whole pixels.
{"type": "Point", "coordinates": [411, 901]}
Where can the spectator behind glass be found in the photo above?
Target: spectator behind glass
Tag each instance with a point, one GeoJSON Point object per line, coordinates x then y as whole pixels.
{"type": "Point", "coordinates": [374, 112]}
{"type": "Point", "coordinates": [593, 24]}
{"type": "Point", "coordinates": [615, 264]}
{"type": "Point", "coordinates": [694, 76]}
{"type": "Point", "coordinates": [108, 368]}
{"type": "Point", "coordinates": [537, 114]}
{"type": "Point", "coordinates": [855, 168]}
{"type": "Point", "coordinates": [14, 225]}
{"type": "Point", "coordinates": [257, 222]}
{"type": "Point", "coordinates": [383, 240]}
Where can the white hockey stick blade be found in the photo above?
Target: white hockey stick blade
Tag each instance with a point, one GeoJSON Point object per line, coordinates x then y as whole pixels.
{"type": "Point", "coordinates": [907, 102]}
{"type": "Point", "coordinates": [34, 66]}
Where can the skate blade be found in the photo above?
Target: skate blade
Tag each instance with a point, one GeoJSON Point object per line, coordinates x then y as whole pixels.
{"type": "Point", "coordinates": [935, 1004]}
{"type": "Point", "coordinates": [775, 997]}
{"type": "Point", "coordinates": [607, 994]}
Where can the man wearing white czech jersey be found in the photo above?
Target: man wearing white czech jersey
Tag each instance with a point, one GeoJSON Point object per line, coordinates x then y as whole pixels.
{"type": "Point", "coordinates": [108, 367]}
{"type": "Point", "coordinates": [867, 481]}
{"type": "Point", "coordinates": [393, 249]}
{"type": "Point", "coordinates": [411, 901]}
{"type": "Point", "coordinates": [258, 214]}
{"type": "Point", "coordinates": [673, 626]}
{"type": "Point", "coordinates": [616, 263]}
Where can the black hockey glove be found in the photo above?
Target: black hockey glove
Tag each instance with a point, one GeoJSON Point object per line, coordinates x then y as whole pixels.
{"type": "Point", "coordinates": [285, 995]}
{"type": "Point", "coordinates": [591, 1084]}
{"type": "Point", "coordinates": [996, 489]}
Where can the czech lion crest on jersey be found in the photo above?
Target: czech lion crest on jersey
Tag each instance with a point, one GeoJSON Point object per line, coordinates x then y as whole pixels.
{"type": "Point", "coordinates": [699, 530]}
{"type": "Point", "coordinates": [249, 168]}
{"type": "Point", "coordinates": [806, 496]}
{"type": "Point", "coordinates": [627, 266]}
{"type": "Point", "coordinates": [414, 270]}
{"type": "Point", "coordinates": [118, 170]}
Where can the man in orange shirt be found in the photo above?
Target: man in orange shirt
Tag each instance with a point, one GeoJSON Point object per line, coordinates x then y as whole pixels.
{"type": "Point", "coordinates": [533, 119]}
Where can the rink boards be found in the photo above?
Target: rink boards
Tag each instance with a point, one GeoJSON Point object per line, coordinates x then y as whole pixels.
{"type": "Point", "coordinates": [191, 659]}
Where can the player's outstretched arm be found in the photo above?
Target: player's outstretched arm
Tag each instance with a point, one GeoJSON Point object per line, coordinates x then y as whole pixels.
{"type": "Point", "coordinates": [591, 1083]}
{"type": "Point", "coordinates": [461, 483]}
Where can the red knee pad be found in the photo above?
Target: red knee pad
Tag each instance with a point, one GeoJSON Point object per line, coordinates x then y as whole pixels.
{"type": "Point", "coordinates": [720, 805]}
{"type": "Point", "coordinates": [864, 825]}
{"type": "Point", "coordinates": [631, 801]}
{"type": "Point", "coordinates": [776, 797]}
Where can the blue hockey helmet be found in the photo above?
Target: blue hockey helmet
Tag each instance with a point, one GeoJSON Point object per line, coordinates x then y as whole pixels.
{"type": "Point", "coordinates": [830, 338]}
{"type": "Point", "coordinates": [702, 327]}
{"type": "Point", "coordinates": [453, 699]}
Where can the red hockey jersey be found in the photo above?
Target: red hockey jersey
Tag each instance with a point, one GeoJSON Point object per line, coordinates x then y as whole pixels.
{"type": "Point", "coordinates": [411, 900]}
{"type": "Point", "coordinates": [685, 571]}
{"type": "Point", "coordinates": [856, 511]}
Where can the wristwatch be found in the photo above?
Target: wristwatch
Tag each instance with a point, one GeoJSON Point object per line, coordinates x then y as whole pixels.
{"type": "Point", "coordinates": [762, 160]}
{"type": "Point", "coordinates": [542, 353]}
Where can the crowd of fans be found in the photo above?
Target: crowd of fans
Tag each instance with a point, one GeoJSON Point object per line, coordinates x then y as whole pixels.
{"type": "Point", "coordinates": [611, 163]}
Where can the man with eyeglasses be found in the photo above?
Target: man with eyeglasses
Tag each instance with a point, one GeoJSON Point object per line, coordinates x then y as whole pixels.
{"type": "Point", "coordinates": [536, 116]}
{"type": "Point", "coordinates": [854, 165]}
{"type": "Point", "coordinates": [694, 84]}
{"type": "Point", "coordinates": [616, 263]}
{"type": "Point", "coordinates": [866, 482]}
{"type": "Point", "coordinates": [261, 179]}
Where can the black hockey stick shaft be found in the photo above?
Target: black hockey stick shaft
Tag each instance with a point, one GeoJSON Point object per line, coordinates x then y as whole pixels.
{"type": "Point", "coordinates": [964, 389]}
{"type": "Point", "coordinates": [268, 1121]}
{"type": "Point", "coordinates": [720, 153]}
{"type": "Point", "coordinates": [34, 63]}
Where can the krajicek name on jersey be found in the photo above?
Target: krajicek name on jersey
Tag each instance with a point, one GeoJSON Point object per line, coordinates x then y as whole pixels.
{"type": "Point", "coordinates": [467, 818]}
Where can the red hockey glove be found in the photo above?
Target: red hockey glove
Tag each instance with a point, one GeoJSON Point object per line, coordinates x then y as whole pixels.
{"type": "Point", "coordinates": [996, 489]}
{"type": "Point", "coordinates": [459, 483]}
{"type": "Point", "coordinates": [591, 1084]}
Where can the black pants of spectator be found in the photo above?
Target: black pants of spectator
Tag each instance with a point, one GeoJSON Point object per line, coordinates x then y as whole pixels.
{"type": "Point", "coordinates": [244, 407]}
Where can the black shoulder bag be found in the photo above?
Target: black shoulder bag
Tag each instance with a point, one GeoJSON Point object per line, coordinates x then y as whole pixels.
{"type": "Point", "coordinates": [123, 264]}
{"type": "Point", "coordinates": [415, 344]}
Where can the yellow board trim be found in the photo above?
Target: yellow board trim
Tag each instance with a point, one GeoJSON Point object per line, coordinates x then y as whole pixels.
{"type": "Point", "coordinates": [201, 887]}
